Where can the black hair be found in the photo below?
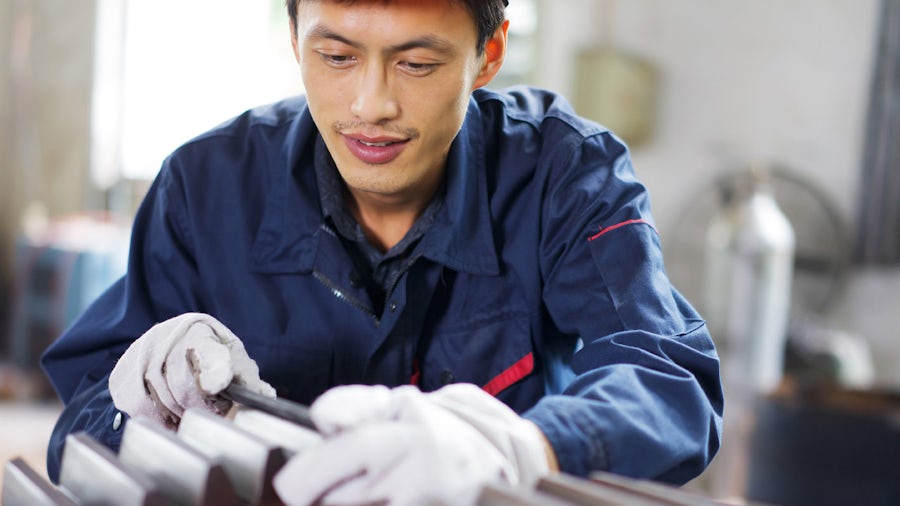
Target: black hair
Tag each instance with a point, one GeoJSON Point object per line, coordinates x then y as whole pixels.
{"type": "Point", "coordinates": [487, 14]}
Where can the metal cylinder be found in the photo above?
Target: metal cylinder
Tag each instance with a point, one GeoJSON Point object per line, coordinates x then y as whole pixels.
{"type": "Point", "coordinates": [749, 260]}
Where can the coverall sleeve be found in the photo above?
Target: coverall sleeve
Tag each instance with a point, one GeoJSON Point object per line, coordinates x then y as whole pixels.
{"type": "Point", "coordinates": [157, 286]}
{"type": "Point", "coordinates": [646, 399]}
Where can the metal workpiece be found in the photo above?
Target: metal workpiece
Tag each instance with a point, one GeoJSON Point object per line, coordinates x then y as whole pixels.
{"type": "Point", "coordinates": [184, 475]}
{"type": "Point", "coordinates": [501, 494]}
{"type": "Point", "coordinates": [276, 430]}
{"type": "Point", "coordinates": [95, 476]}
{"type": "Point", "coordinates": [579, 491]}
{"type": "Point", "coordinates": [23, 486]}
{"type": "Point", "coordinates": [249, 461]}
{"type": "Point", "coordinates": [667, 495]}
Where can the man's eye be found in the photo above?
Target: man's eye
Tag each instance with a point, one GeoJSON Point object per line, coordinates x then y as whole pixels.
{"type": "Point", "coordinates": [418, 68]}
{"type": "Point", "coordinates": [337, 60]}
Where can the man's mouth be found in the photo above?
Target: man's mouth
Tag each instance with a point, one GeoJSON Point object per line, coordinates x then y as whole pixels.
{"type": "Point", "coordinates": [374, 151]}
{"type": "Point", "coordinates": [377, 144]}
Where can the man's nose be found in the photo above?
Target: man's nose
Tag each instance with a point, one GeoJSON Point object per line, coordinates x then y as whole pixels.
{"type": "Point", "coordinates": [375, 100]}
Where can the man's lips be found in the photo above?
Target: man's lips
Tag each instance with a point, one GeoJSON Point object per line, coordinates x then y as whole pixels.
{"type": "Point", "coordinates": [374, 150]}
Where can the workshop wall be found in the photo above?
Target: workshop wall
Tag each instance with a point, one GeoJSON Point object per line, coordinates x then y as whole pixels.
{"type": "Point", "coordinates": [47, 85]}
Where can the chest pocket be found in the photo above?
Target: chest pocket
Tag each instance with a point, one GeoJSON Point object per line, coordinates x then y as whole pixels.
{"type": "Point", "coordinates": [479, 332]}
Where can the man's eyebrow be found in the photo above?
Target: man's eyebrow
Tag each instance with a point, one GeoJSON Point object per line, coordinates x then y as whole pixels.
{"type": "Point", "coordinates": [431, 42]}
{"type": "Point", "coordinates": [323, 32]}
{"type": "Point", "coordinates": [426, 42]}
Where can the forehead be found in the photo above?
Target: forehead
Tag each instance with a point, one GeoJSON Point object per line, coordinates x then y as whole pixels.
{"type": "Point", "coordinates": [388, 21]}
{"type": "Point", "coordinates": [454, 4]}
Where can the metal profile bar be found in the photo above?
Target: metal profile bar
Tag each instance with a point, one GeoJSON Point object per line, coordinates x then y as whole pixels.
{"type": "Point", "coordinates": [249, 461]}
{"type": "Point", "coordinates": [276, 430]}
{"type": "Point", "coordinates": [184, 475]}
{"type": "Point", "coordinates": [500, 494]}
{"type": "Point", "coordinates": [23, 486]}
{"type": "Point", "coordinates": [666, 494]}
{"type": "Point", "coordinates": [93, 475]}
{"type": "Point", "coordinates": [579, 491]}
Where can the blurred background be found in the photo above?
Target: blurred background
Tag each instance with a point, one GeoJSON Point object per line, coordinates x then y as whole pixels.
{"type": "Point", "coordinates": [766, 132]}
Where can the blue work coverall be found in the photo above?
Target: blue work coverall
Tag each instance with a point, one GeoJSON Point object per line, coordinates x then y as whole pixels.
{"type": "Point", "coordinates": [540, 279]}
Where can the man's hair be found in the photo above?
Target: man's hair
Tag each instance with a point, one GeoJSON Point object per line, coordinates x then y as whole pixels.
{"type": "Point", "coordinates": [487, 14]}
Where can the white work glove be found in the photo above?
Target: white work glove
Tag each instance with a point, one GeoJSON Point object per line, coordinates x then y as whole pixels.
{"type": "Point", "coordinates": [181, 363]}
{"type": "Point", "coordinates": [407, 448]}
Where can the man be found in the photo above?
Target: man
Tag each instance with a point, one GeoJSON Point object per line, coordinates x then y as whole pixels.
{"type": "Point", "coordinates": [402, 225]}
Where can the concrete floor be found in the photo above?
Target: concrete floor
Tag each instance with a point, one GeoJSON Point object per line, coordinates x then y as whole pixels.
{"type": "Point", "coordinates": [24, 431]}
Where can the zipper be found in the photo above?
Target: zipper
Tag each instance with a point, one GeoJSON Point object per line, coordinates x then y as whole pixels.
{"type": "Point", "coordinates": [353, 301]}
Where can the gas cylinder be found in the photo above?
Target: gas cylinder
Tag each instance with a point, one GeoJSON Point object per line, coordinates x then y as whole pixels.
{"type": "Point", "coordinates": [749, 262]}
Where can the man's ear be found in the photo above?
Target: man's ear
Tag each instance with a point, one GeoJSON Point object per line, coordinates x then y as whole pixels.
{"type": "Point", "coordinates": [494, 54]}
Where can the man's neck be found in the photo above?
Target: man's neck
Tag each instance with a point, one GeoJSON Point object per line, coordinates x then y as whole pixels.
{"type": "Point", "coordinates": [384, 222]}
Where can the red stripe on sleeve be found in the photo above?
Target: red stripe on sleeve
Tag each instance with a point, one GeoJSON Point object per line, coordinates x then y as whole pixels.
{"type": "Point", "coordinates": [613, 227]}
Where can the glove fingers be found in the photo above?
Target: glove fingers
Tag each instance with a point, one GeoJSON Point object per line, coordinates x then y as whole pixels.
{"type": "Point", "coordinates": [137, 382]}
{"type": "Point", "coordinates": [246, 371]}
{"type": "Point", "coordinates": [131, 394]}
{"type": "Point", "coordinates": [352, 405]}
{"type": "Point", "coordinates": [197, 368]}
{"type": "Point", "coordinates": [309, 476]}
{"type": "Point", "coordinates": [378, 463]}
{"type": "Point", "coordinates": [203, 359]}
{"type": "Point", "coordinates": [242, 368]}
{"type": "Point", "coordinates": [168, 417]}
{"type": "Point", "coordinates": [157, 389]}
{"type": "Point", "coordinates": [519, 440]}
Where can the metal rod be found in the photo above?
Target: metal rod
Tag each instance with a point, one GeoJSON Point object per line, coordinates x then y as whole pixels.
{"type": "Point", "coordinates": [282, 408]}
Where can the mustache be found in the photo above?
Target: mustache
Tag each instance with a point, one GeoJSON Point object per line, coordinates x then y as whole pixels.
{"type": "Point", "coordinates": [361, 126]}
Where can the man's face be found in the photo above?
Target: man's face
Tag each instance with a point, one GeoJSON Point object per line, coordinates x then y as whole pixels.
{"type": "Point", "coordinates": [388, 85]}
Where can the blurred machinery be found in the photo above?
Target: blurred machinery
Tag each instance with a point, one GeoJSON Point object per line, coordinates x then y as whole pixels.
{"type": "Point", "coordinates": [60, 268]}
{"type": "Point", "coordinates": [821, 246]}
{"type": "Point", "coordinates": [749, 257]}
